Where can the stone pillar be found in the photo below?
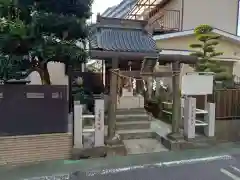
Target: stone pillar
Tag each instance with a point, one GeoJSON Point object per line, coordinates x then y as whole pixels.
{"type": "Point", "coordinates": [210, 120]}
{"type": "Point", "coordinates": [112, 101]}
{"type": "Point", "coordinates": [176, 109]}
{"type": "Point", "coordinates": [78, 128]}
{"type": "Point", "coordinates": [149, 87]}
{"type": "Point", "coordinates": [158, 86]}
{"type": "Point", "coordinates": [189, 117]}
{"type": "Point", "coordinates": [99, 123]}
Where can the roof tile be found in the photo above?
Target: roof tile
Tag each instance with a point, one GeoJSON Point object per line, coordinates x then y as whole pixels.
{"type": "Point", "coordinates": [122, 40]}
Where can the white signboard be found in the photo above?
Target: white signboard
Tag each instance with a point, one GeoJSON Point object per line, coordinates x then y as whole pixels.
{"type": "Point", "coordinates": [197, 84]}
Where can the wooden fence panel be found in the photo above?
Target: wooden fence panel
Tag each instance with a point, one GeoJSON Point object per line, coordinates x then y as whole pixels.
{"type": "Point", "coordinates": [227, 103]}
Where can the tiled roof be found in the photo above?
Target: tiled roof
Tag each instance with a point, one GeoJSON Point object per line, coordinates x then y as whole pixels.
{"type": "Point", "coordinates": [122, 40]}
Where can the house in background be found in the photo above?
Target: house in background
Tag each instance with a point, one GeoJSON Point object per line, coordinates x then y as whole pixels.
{"type": "Point", "coordinates": [181, 15]}
{"type": "Point", "coordinates": [172, 22]}
{"type": "Point", "coordinates": [178, 43]}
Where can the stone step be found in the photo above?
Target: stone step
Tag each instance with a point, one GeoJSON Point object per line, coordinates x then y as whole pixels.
{"type": "Point", "coordinates": [202, 139]}
{"type": "Point", "coordinates": [131, 111]}
{"type": "Point", "coordinates": [130, 102]}
{"type": "Point", "coordinates": [128, 125]}
{"type": "Point", "coordinates": [132, 117]}
{"type": "Point", "coordinates": [142, 146]}
{"type": "Point", "coordinates": [135, 134]}
{"type": "Point", "coordinates": [188, 144]}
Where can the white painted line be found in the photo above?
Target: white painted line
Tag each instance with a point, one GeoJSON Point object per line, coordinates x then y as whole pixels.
{"type": "Point", "coordinates": [161, 164]}
{"type": "Point", "coordinates": [227, 173]}
{"type": "Point", "coordinates": [235, 168]}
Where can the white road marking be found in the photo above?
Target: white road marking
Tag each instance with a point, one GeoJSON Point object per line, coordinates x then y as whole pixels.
{"type": "Point", "coordinates": [229, 174]}
{"type": "Point", "coordinates": [161, 164]}
{"type": "Point", "coordinates": [235, 168]}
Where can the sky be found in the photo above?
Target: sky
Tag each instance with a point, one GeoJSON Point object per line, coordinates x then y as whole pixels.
{"type": "Point", "coordinates": [99, 6]}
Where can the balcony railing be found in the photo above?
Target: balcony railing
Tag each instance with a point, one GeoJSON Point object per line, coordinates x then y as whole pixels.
{"type": "Point", "coordinates": [159, 19]}
{"type": "Point", "coordinates": [163, 20]}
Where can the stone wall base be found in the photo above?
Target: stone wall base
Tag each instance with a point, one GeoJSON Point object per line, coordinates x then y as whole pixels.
{"type": "Point", "coordinates": [18, 150]}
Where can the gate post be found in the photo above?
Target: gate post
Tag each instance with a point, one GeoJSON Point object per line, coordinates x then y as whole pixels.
{"type": "Point", "coordinates": [78, 128]}
{"type": "Point", "coordinates": [210, 120]}
{"type": "Point", "coordinates": [189, 117]}
{"type": "Point", "coordinates": [99, 123]}
{"type": "Point", "coordinates": [182, 112]}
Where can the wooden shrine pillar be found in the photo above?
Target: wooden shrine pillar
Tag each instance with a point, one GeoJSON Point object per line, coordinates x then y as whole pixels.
{"type": "Point", "coordinates": [176, 61]}
{"type": "Point", "coordinates": [104, 72]}
{"type": "Point", "coordinates": [112, 104]}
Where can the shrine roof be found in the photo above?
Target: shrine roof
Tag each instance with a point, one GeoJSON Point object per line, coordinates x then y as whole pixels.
{"type": "Point", "coordinates": [118, 35]}
{"type": "Point", "coordinates": [117, 39]}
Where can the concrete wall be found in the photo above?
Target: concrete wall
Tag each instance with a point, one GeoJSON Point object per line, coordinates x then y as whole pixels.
{"type": "Point", "coordinates": [57, 74]}
{"type": "Point", "coordinates": [17, 150]}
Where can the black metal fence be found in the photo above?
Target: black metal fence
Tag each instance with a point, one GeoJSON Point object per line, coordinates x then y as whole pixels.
{"type": "Point", "coordinates": [33, 109]}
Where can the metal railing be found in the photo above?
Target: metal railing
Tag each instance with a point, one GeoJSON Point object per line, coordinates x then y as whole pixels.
{"type": "Point", "coordinates": [164, 20]}
{"type": "Point", "coordinates": [97, 128]}
{"type": "Point", "coordinates": [158, 18]}
{"type": "Point", "coordinates": [198, 112]}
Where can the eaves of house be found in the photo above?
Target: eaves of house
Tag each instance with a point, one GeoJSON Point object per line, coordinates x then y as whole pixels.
{"type": "Point", "coordinates": [224, 34]}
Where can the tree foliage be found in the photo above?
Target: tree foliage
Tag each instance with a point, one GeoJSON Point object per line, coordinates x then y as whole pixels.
{"type": "Point", "coordinates": [207, 53]}
{"type": "Point", "coordinates": [34, 32]}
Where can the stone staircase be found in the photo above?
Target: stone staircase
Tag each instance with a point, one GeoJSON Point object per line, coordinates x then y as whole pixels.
{"type": "Point", "coordinates": [133, 124]}
{"type": "Point", "coordinates": [134, 128]}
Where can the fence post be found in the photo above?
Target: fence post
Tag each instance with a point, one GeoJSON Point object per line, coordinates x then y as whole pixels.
{"type": "Point", "coordinates": [78, 128]}
{"type": "Point", "coordinates": [210, 119]}
{"type": "Point", "coordinates": [99, 123]}
{"type": "Point", "coordinates": [189, 117]}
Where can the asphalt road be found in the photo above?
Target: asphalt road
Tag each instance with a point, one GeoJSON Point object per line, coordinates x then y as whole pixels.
{"type": "Point", "coordinates": [219, 163]}
{"type": "Point", "coordinates": [224, 167]}
{"type": "Point", "coordinates": [209, 168]}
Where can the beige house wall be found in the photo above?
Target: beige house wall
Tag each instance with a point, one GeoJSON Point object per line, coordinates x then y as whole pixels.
{"type": "Point", "coordinates": [229, 48]}
{"type": "Point", "coordinates": [195, 12]}
{"type": "Point", "coordinates": [221, 14]}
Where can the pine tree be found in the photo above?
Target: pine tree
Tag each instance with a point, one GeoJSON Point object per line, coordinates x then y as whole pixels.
{"type": "Point", "coordinates": [207, 53]}
{"type": "Point", "coordinates": [34, 32]}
